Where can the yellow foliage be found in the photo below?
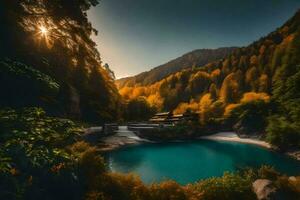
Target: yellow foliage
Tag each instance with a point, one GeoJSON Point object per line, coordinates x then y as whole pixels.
{"type": "Point", "coordinates": [200, 74]}
{"type": "Point", "coordinates": [205, 107]}
{"type": "Point", "coordinates": [155, 100]}
{"type": "Point", "coordinates": [168, 190]}
{"type": "Point", "coordinates": [229, 108]}
{"type": "Point", "coordinates": [137, 92]}
{"type": "Point", "coordinates": [125, 92]}
{"type": "Point", "coordinates": [253, 96]}
{"type": "Point", "coordinates": [205, 103]}
{"type": "Point", "coordinates": [263, 83]}
{"type": "Point", "coordinates": [253, 60]}
{"type": "Point", "coordinates": [183, 107]}
{"type": "Point", "coordinates": [128, 187]}
{"type": "Point", "coordinates": [230, 89]}
{"type": "Point", "coordinates": [215, 73]}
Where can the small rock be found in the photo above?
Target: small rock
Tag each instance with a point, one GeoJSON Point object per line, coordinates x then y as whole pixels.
{"type": "Point", "coordinates": [292, 179]}
{"type": "Point", "coordinates": [265, 190]}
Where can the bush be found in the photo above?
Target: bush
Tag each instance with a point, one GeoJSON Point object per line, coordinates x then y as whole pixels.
{"type": "Point", "coordinates": [34, 161]}
{"type": "Point", "coordinates": [228, 187]}
{"type": "Point", "coordinates": [168, 190]}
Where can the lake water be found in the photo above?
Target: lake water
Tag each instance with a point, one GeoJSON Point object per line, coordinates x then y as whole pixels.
{"type": "Point", "coordinates": [188, 162]}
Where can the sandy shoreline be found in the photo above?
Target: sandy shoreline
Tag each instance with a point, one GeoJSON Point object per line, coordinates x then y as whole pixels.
{"type": "Point", "coordinates": [233, 137]}
{"type": "Point", "coordinates": [124, 138]}
{"type": "Point", "coordinates": [119, 140]}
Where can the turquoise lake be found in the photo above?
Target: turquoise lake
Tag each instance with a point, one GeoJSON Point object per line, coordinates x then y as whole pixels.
{"type": "Point", "coordinates": [187, 162]}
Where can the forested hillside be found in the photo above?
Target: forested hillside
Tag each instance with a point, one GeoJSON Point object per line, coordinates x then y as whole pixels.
{"type": "Point", "coordinates": [266, 71]}
{"type": "Point", "coordinates": [198, 57]}
{"type": "Point", "coordinates": [256, 71]}
{"type": "Point", "coordinates": [48, 59]}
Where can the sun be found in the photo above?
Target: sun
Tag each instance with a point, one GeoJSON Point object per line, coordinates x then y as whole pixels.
{"type": "Point", "coordinates": [43, 30]}
{"type": "Point", "coordinates": [43, 35]}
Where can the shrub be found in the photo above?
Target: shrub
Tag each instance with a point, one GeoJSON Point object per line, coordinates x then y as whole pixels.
{"type": "Point", "coordinates": [228, 187]}
{"type": "Point", "coordinates": [168, 190]}
{"type": "Point", "coordinates": [253, 96]}
{"type": "Point", "coordinates": [34, 162]}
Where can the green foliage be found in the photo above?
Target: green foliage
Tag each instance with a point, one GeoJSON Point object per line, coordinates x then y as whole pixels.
{"type": "Point", "coordinates": [33, 154]}
{"type": "Point", "coordinates": [138, 109]}
{"type": "Point", "coordinates": [19, 80]}
{"type": "Point", "coordinates": [67, 55]}
{"type": "Point", "coordinates": [21, 70]}
{"type": "Point", "coordinates": [250, 117]}
{"type": "Point", "coordinates": [267, 172]}
{"type": "Point", "coordinates": [228, 187]}
{"type": "Point", "coordinates": [282, 133]}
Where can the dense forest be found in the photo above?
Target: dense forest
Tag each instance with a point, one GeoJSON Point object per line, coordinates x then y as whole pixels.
{"type": "Point", "coordinates": [48, 59]}
{"type": "Point", "coordinates": [251, 86]}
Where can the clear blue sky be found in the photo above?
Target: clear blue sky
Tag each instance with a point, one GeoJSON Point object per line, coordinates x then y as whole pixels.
{"type": "Point", "coordinates": [137, 35]}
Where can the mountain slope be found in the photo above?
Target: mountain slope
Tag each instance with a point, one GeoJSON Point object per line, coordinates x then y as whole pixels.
{"type": "Point", "coordinates": [254, 72]}
{"type": "Point", "coordinates": [198, 57]}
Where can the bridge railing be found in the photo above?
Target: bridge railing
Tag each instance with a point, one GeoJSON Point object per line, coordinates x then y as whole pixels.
{"type": "Point", "coordinates": [143, 126]}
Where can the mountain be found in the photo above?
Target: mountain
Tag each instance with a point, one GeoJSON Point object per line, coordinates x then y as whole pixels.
{"type": "Point", "coordinates": [198, 57]}
{"type": "Point", "coordinates": [267, 70]}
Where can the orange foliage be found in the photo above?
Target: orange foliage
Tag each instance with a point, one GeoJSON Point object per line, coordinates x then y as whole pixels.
{"type": "Point", "coordinates": [125, 92]}
{"type": "Point", "coordinates": [168, 190]}
{"type": "Point", "coordinates": [230, 88]}
{"type": "Point", "coordinates": [200, 74]}
{"type": "Point", "coordinates": [215, 73]}
{"type": "Point", "coordinates": [155, 100]}
{"type": "Point", "coordinates": [137, 92]}
{"type": "Point", "coordinates": [253, 96]}
{"type": "Point", "coordinates": [205, 103]}
{"type": "Point", "coordinates": [183, 107]}
{"type": "Point", "coordinates": [205, 107]}
{"type": "Point", "coordinates": [229, 108]}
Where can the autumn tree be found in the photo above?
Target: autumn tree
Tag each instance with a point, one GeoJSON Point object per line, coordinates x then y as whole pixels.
{"type": "Point", "coordinates": [229, 92]}
{"type": "Point", "coordinates": [204, 106]}
{"type": "Point", "coordinates": [199, 82]}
